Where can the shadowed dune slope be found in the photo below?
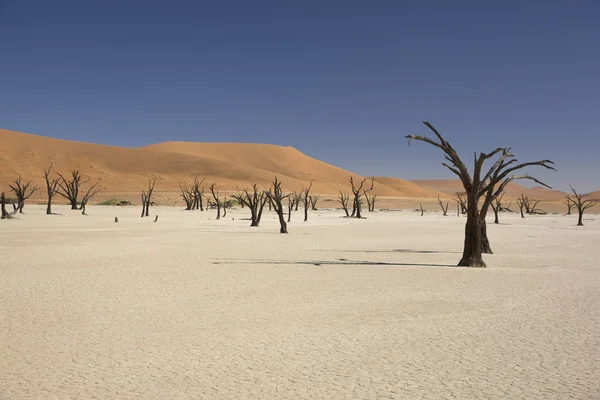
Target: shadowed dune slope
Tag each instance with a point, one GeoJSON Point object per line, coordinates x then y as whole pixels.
{"type": "Point", "coordinates": [230, 165]}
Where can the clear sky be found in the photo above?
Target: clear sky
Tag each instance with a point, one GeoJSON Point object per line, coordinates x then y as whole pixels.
{"type": "Point", "coordinates": [341, 80]}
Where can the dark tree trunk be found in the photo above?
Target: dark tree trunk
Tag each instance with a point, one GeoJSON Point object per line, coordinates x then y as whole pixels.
{"type": "Point", "coordinates": [473, 241]}
{"type": "Point", "coordinates": [74, 204]}
{"type": "Point", "coordinates": [282, 223]}
{"type": "Point", "coordinates": [580, 220]}
{"type": "Point", "coordinates": [49, 206]}
{"type": "Point", "coordinates": [306, 210]}
{"type": "Point", "coordinates": [495, 209]}
{"type": "Point", "coordinates": [3, 206]}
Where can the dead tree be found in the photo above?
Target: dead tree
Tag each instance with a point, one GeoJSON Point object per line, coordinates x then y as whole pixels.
{"type": "Point", "coordinates": [422, 211]}
{"type": "Point", "coordinates": [22, 191]}
{"type": "Point", "coordinates": [297, 196]}
{"type": "Point", "coordinates": [51, 188]}
{"type": "Point", "coordinates": [313, 201]}
{"type": "Point", "coordinates": [497, 207]}
{"type": "Point", "coordinates": [521, 203]}
{"type": "Point", "coordinates": [290, 206]}
{"type": "Point", "coordinates": [358, 192]}
{"type": "Point", "coordinates": [198, 193]}
{"type": "Point", "coordinates": [91, 192]}
{"type": "Point", "coordinates": [188, 195]}
{"type": "Point", "coordinates": [581, 204]}
{"type": "Point", "coordinates": [276, 198]}
{"type": "Point", "coordinates": [444, 209]}
{"type": "Point", "coordinates": [3, 205]}
{"type": "Point", "coordinates": [370, 199]}
{"type": "Point", "coordinates": [462, 202]}
{"type": "Point", "coordinates": [255, 201]}
{"type": "Point", "coordinates": [569, 203]}
{"type": "Point", "coordinates": [344, 198]}
{"type": "Point", "coordinates": [215, 195]}
{"type": "Point", "coordinates": [69, 188]}
{"type": "Point", "coordinates": [477, 185]}
{"type": "Point", "coordinates": [306, 200]}
{"type": "Point", "coordinates": [147, 198]}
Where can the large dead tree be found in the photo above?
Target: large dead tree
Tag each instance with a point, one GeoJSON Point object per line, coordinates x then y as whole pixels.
{"type": "Point", "coordinates": [581, 204]}
{"type": "Point", "coordinates": [276, 198]}
{"type": "Point", "coordinates": [479, 184]}
{"type": "Point", "coordinates": [89, 194]}
{"type": "Point", "coordinates": [52, 188]}
{"type": "Point", "coordinates": [306, 200]}
{"type": "Point", "coordinates": [215, 194]}
{"type": "Point", "coordinates": [344, 199]}
{"type": "Point", "coordinates": [444, 208]}
{"type": "Point", "coordinates": [147, 198]}
{"type": "Point", "coordinates": [22, 192]}
{"type": "Point", "coordinates": [255, 201]}
{"type": "Point", "coordinates": [69, 188]}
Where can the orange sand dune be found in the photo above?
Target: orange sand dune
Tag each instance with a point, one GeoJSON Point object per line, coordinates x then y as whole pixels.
{"type": "Point", "coordinates": [513, 190]}
{"type": "Point", "coordinates": [230, 165]}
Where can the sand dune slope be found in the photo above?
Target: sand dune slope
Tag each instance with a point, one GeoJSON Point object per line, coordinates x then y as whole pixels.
{"type": "Point", "coordinates": [230, 165]}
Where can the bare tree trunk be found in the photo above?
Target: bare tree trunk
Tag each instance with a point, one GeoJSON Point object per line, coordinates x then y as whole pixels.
{"type": "Point", "coordinates": [473, 241]}
{"type": "Point", "coordinates": [495, 209]}
{"type": "Point", "coordinates": [580, 220]}
{"type": "Point", "coordinates": [3, 205]}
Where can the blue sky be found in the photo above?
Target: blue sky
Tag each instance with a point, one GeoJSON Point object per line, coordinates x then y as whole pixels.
{"type": "Point", "coordinates": [342, 81]}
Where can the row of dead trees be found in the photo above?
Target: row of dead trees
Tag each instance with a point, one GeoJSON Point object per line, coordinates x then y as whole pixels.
{"type": "Point", "coordinates": [70, 186]}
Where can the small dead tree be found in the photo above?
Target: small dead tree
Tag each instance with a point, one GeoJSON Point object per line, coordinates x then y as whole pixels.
{"type": "Point", "coordinates": [479, 184]}
{"type": "Point", "coordinates": [581, 204]}
{"type": "Point", "coordinates": [358, 191]}
{"type": "Point", "coordinates": [521, 203]}
{"type": "Point", "coordinates": [255, 202]}
{"type": "Point", "coordinates": [22, 191]}
{"type": "Point", "coordinates": [91, 192]}
{"type": "Point", "coordinates": [344, 198]}
{"type": "Point", "coordinates": [370, 199]}
{"type": "Point", "coordinates": [290, 206]}
{"type": "Point", "coordinates": [422, 211]}
{"type": "Point", "coordinates": [306, 200]}
{"type": "Point", "coordinates": [147, 198]}
{"type": "Point", "coordinates": [569, 203]}
{"type": "Point", "coordinates": [497, 207]}
{"type": "Point", "coordinates": [276, 198]}
{"type": "Point", "coordinates": [215, 195]}
{"type": "Point", "coordinates": [187, 194]}
{"type": "Point", "coordinates": [444, 209]}
{"type": "Point", "coordinates": [69, 188]}
{"type": "Point", "coordinates": [198, 191]}
{"type": "Point", "coordinates": [462, 202]}
{"type": "Point", "coordinates": [52, 188]}
{"type": "Point", "coordinates": [313, 201]}
{"type": "Point", "coordinates": [3, 205]}
{"type": "Point", "coordinates": [297, 196]}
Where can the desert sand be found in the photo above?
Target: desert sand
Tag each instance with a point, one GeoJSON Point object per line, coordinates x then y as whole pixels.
{"type": "Point", "coordinates": [190, 307]}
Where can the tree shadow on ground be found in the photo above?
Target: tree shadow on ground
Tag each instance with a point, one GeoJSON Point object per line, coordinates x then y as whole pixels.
{"type": "Point", "coordinates": [393, 251]}
{"type": "Point", "coordinates": [340, 261]}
